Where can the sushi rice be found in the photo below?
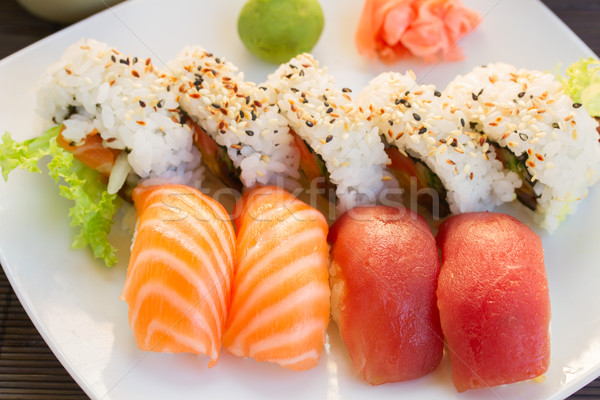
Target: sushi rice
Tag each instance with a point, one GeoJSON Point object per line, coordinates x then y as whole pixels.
{"type": "Point", "coordinates": [95, 87]}
{"type": "Point", "coordinates": [325, 117]}
{"type": "Point", "coordinates": [421, 122]}
{"type": "Point", "coordinates": [528, 112]}
{"type": "Point", "coordinates": [237, 114]}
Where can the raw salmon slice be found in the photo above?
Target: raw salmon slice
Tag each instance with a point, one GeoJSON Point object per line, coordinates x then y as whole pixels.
{"type": "Point", "coordinates": [384, 273]}
{"type": "Point", "coordinates": [91, 152]}
{"type": "Point", "coordinates": [280, 295]}
{"type": "Point", "coordinates": [179, 277]}
{"type": "Point", "coordinates": [493, 300]}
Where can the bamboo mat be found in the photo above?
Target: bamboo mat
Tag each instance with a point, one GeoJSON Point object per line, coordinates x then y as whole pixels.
{"type": "Point", "coordinates": [28, 369]}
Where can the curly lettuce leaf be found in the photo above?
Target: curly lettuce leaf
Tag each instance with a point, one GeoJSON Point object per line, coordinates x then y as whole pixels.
{"type": "Point", "coordinates": [582, 84]}
{"type": "Point", "coordinates": [94, 207]}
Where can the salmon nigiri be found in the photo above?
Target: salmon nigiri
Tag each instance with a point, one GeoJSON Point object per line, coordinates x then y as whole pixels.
{"type": "Point", "coordinates": [180, 271]}
{"type": "Point", "coordinates": [280, 295]}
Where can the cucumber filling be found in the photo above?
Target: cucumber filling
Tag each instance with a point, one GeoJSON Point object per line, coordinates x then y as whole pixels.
{"type": "Point", "coordinates": [215, 157]}
{"type": "Point", "coordinates": [312, 167]}
{"type": "Point", "coordinates": [525, 194]}
{"type": "Point", "coordinates": [408, 171]}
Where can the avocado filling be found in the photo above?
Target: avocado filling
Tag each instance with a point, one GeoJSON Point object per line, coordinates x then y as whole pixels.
{"type": "Point", "coordinates": [408, 171]}
{"type": "Point", "coordinates": [312, 167]}
{"type": "Point", "coordinates": [215, 157]}
{"type": "Point", "coordinates": [525, 193]}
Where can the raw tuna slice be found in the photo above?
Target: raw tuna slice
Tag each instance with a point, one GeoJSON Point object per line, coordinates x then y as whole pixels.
{"type": "Point", "coordinates": [384, 275]}
{"type": "Point", "coordinates": [493, 300]}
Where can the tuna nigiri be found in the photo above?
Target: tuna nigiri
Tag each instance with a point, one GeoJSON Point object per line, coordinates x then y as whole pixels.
{"type": "Point", "coordinates": [180, 271]}
{"type": "Point", "coordinates": [493, 300]}
{"type": "Point", "coordinates": [384, 273]}
{"type": "Point", "coordinates": [280, 295]}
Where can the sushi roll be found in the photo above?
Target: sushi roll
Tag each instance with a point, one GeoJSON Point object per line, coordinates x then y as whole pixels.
{"type": "Point", "coordinates": [339, 147]}
{"type": "Point", "coordinates": [434, 155]}
{"type": "Point", "coordinates": [243, 138]}
{"type": "Point", "coordinates": [117, 116]}
{"type": "Point", "coordinates": [280, 296]}
{"type": "Point", "coordinates": [180, 271]}
{"type": "Point", "coordinates": [538, 131]}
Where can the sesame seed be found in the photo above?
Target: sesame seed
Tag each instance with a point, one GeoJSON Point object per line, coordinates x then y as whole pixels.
{"type": "Point", "coordinates": [250, 133]}
{"type": "Point", "coordinates": [328, 138]}
{"type": "Point", "coordinates": [310, 124]}
{"type": "Point", "coordinates": [437, 94]}
{"type": "Point", "coordinates": [416, 116]}
{"type": "Point", "coordinates": [576, 105]}
{"type": "Point", "coordinates": [142, 104]}
{"type": "Point", "coordinates": [422, 130]}
{"type": "Point", "coordinates": [523, 136]}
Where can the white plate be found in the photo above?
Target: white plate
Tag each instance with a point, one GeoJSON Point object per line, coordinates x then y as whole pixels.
{"type": "Point", "coordinates": [74, 300]}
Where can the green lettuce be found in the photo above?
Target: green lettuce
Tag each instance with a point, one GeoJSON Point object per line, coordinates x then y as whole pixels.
{"type": "Point", "coordinates": [582, 84]}
{"type": "Point", "coordinates": [94, 207]}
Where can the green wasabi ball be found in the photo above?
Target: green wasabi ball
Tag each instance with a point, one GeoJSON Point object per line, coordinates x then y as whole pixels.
{"type": "Point", "coordinates": [277, 30]}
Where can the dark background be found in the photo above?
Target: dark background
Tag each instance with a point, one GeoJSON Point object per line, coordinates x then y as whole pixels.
{"type": "Point", "coordinates": [28, 369]}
